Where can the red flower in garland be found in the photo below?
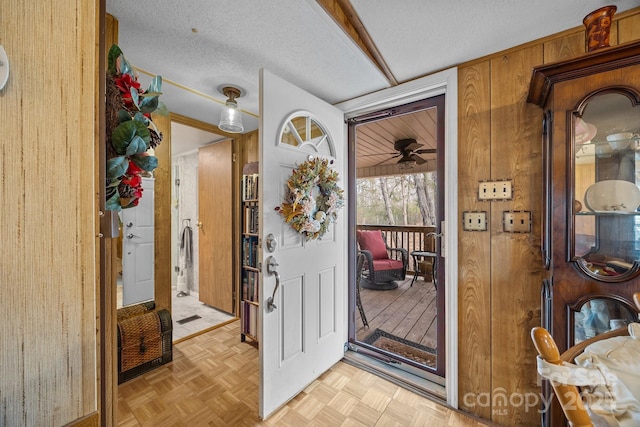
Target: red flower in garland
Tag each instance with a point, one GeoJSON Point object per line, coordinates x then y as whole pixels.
{"type": "Point", "coordinates": [133, 169]}
{"type": "Point", "coordinates": [130, 186]}
{"type": "Point", "coordinates": [125, 82]}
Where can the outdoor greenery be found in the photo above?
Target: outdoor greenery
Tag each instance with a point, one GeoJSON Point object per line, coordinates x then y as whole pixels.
{"type": "Point", "coordinates": [397, 200]}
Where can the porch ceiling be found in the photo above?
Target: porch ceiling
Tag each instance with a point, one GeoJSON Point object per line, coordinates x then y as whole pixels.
{"type": "Point", "coordinates": [375, 154]}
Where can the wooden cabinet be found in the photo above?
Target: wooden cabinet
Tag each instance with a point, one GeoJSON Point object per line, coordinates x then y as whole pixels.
{"type": "Point", "coordinates": [591, 220]}
{"type": "Point", "coordinates": [250, 273]}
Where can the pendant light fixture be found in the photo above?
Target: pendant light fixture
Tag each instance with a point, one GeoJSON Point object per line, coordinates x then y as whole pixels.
{"type": "Point", "coordinates": [406, 163]}
{"type": "Point", "coordinates": [231, 116]}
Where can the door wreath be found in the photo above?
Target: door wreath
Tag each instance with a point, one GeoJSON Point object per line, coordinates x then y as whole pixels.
{"type": "Point", "coordinates": [312, 199]}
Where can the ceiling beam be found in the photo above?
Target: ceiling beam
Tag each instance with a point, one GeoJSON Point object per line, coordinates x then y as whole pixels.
{"type": "Point", "coordinates": [346, 17]}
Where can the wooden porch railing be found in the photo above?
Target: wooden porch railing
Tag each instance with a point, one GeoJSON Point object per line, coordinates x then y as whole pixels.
{"type": "Point", "coordinates": [410, 237]}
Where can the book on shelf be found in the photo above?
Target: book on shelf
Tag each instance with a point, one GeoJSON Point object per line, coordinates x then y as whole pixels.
{"type": "Point", "coordinates": [251, 218]}
{"type": "Point", "coordinates": [250, 319]}
{"type": "Point", "coordinates": [250, 251]}
{"type": "Point", "coordinates": [250, 282]}
{"type": "Point", "coordinates": [250, 187]}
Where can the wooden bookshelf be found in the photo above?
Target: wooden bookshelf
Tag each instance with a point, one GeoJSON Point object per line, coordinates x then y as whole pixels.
{"type": "Point", "coordinates": [250, 273]}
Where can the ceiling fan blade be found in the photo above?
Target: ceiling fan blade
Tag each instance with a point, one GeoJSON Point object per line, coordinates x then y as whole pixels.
{"type": "Point", "coordinates": [419, 160]}
{"type": "Point", "coordinates": [384, 161]}
{"type": "Point", "coordinates": [413, 146]}
{"type": "Point", "coordinates": [426, 151]}
{"type": "Point", "coordinates": [378, 154]}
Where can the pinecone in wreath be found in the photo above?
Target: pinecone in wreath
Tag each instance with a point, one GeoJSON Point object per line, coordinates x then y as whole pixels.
{"type": "Point", "coordinates": [126, 190]}
{"type": "Point", "coordinates": [155, 138]}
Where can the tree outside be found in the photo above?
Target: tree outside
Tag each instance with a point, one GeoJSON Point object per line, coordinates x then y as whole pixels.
{"type": "Point", "coordinates": [407, 199]}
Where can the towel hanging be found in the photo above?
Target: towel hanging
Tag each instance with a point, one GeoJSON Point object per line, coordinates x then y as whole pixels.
{"type": "Point", "coordinates": [186, 245]}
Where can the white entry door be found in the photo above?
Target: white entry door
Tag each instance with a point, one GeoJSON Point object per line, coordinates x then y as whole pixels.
{"type": "Point", "coordinates": [304, 335]}
{"type": "Point", "coordinates": [138, 247]}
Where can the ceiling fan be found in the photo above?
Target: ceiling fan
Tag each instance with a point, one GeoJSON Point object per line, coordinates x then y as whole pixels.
{"type": "Point", "coordinates": [408, 150]}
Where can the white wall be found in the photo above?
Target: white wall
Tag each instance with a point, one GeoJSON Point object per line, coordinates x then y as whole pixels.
{"type": "Point", "coordinates": [185, 211]}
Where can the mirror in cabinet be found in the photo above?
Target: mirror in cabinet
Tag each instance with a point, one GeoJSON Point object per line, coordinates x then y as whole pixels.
{"type": "Point", "coordinates": [604, 205]}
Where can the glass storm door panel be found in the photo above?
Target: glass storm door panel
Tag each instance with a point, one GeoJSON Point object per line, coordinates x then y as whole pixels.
{"type": "Point", "coordinates": [400, 156]}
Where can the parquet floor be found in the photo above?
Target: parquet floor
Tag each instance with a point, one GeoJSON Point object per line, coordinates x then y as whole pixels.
{"type": "Point", "coordinates": [408, 312]}
{"type": "Point", "coordinates": [213, 381]}
{"type": "Point", "coordinates": [182, 307]}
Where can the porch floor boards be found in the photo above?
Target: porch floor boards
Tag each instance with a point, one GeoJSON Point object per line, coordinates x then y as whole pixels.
{"type": "Point", "coordinates": [407, 312]}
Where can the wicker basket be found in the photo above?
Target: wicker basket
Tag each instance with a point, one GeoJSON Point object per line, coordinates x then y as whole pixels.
{"type": "Point", "coordinates": [135, 310]}
{"type": "Point", "coordinates": [144, 341]}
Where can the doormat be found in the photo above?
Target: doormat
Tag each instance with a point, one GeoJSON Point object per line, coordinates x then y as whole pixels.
{"type": "Point", "coordinates": [188, 319]}
{"type": "Point", "coordinates": [402, 347]}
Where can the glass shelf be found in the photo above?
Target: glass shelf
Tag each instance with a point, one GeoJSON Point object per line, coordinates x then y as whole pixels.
{"type": "Point", "coordinates": [611, 213]}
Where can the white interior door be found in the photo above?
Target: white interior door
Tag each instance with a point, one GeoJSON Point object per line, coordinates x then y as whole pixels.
{"type": "Point", "coordinates": [138, 247]}
{"type": "Point", "coordinates": [305, 334]}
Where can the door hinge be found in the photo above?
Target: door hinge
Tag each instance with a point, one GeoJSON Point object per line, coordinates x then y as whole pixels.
{"type": "Point", "coordinates": [109, 224]}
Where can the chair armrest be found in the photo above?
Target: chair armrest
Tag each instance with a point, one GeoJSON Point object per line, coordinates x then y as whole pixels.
{"type": "Point", "coordinates": [403, 253]}
{"type": "Point", "coordinates": [369, 265]}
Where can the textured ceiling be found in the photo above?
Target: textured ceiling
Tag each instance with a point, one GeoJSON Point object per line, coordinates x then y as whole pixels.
{"type": "Point", "coordinates": [199, 45]}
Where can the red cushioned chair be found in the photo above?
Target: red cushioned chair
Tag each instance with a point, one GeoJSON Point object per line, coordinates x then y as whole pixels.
{"type": "Point", "coordinates": [384, 265]}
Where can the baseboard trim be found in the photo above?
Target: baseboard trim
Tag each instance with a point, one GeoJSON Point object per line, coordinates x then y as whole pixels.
{"type": "Point", "coordinates": [91, 420]}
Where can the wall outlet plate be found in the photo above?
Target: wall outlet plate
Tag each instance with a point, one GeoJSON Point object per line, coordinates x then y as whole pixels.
{"type": "Point", "coordinates": [517, 221]}
{"type": "Point", "coordinates": [495, 190]}
{"type": "Point", "coordinates": [474, 221]}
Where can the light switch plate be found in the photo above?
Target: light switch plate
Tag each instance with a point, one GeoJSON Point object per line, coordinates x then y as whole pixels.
{"type": "Point", "coordinates": [517, 221]}
{"type": "Point", "coordinates": [474, 221]}
{"type": "Point", "coordinates": [495, 190]}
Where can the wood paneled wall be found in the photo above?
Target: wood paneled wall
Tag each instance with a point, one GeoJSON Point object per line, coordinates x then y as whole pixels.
{"type": "Point", "coordinates": [162, 218]}
{"type": "Point", "coordinates": [500, 274]}
{"type": "Point", "coordinates": [48, 226]}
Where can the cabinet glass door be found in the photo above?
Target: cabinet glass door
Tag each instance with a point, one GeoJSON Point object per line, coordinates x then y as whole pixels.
{"type": "Point", "coordinates": [605, 232]}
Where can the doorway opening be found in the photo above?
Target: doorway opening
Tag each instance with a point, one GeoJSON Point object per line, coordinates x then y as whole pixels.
{"type": "Point", "coordinates": [399, 319]}
{"type": "Point", "coordinates": [135, 282]}
{"type": "Point", "coordinates": [193, 310]}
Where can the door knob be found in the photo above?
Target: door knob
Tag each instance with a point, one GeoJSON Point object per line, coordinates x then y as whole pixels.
{"type": "Point", "coordinates": [131, 236]}
{"type": "Point", "coordinates": [129, 224]}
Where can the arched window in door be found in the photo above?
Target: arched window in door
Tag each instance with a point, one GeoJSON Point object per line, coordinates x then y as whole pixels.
{"type": "Point", "coordinates": [303, 131]}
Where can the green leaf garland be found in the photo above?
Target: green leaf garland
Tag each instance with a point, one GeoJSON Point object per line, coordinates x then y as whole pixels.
{"type": "Point", "coordinates": [129, 130]}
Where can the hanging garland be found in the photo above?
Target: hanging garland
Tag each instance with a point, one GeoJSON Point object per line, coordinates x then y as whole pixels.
{"type": "Point", "coordinates": [130, 131]}
{"type": "Point", "coordinates": [312, 199]}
